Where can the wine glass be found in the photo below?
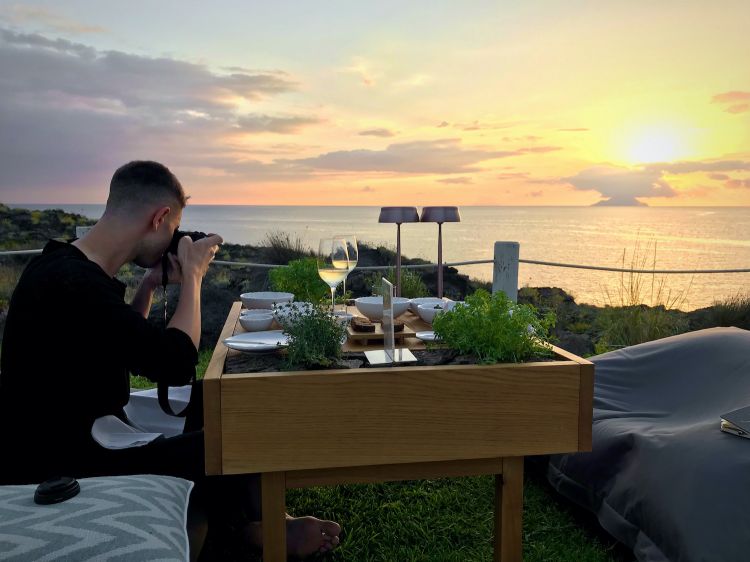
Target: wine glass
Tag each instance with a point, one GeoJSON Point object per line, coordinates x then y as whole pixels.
{"type": "Point", "coordinates": [333, 264]}
{"type": "Point", "coordinates": [352, 251]}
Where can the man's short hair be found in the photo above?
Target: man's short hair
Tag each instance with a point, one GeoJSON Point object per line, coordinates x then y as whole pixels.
{"type": "Point", "coordinates": [144, 182]}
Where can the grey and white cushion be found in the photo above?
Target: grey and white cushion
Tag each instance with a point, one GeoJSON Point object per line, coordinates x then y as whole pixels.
{"type": "Point", "coordinates": [113, 518]}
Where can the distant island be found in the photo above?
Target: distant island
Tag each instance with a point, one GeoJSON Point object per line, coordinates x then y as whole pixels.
{"type": "Point", "coordinates": [624, 201]}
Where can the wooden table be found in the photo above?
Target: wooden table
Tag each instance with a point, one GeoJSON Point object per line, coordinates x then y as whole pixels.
{"type": "Point", "coordinates": [400, 423]}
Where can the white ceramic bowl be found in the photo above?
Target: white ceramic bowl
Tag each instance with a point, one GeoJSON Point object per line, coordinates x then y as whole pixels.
{"type": "Point", "coordinates": [255, 312]}
{"type": "Point", "coordinates": [414, 306]}
{"type": "Point", "coordinates": [372, 307]}
{"type": "Point", "coordinates": [343, 317]}
{"type": "Point", "coordinates": [284, 312]}
{"type": "Point", "coordinates": [265, 299]}
{"type": "Point", "coordinates": [427, 312]}
{"type": "Point", "coordinates": [256, 322]}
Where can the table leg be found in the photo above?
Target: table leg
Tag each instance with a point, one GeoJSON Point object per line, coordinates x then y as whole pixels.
{"type": "Point", "coordinates": [273, 504]}
{"type": "Point", "coordinates": [508, 511]}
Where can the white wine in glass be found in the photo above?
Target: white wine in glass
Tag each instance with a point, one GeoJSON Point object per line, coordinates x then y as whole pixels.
{"type": "Point", "coordinates": [352, 251]}
{"type": "Point", "coordinates": [333, 264]}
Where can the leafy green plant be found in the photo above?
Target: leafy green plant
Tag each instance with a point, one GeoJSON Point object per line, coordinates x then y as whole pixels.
{"type": "Point", "coordinates": [314, 338]}
{"type": "Point", "coordinates": [412, 285]}
{"type": "Point", "coordinates": [495, 329]}
{"type": "Point", "coordinates": [300, 277]}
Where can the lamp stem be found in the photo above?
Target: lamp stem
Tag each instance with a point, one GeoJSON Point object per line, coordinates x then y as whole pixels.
{"type": "Point", "coordinates": [440, 261]}
{"type": "Point", "coordinates": [398, 259]}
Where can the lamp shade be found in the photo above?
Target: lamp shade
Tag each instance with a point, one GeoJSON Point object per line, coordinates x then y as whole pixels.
{"type": "Point", "coordinates": [440, 214]}
{"type": "Point", "coordinates": [398, 215]}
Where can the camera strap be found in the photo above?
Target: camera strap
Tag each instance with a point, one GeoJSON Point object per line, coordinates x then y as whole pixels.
{"type": "Point", "coordinates": [162, 388]}
{"type": "Point", "coordinates": [162, 393]}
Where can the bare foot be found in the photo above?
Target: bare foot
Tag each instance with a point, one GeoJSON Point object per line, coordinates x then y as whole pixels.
{"type": "Point", "coordinates": [308, 535]}
{"type": "Point", "coordinates": [304, 535]}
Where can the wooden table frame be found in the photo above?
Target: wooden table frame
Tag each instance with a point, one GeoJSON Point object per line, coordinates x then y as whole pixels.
{"type": "Point", "coordinates": [443, 421]}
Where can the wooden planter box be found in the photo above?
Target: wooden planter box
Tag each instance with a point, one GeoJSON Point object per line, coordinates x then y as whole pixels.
{"type": "Point", "coordinates": [297, 420]}
{"type": "Point", "coordinates": [376, 424]}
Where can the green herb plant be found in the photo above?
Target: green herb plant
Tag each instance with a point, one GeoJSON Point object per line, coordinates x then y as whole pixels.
{"type": "Point", "coordinates": [315, 338]}
{"type": "Point", "coordinates": [300, 277]}
{"type": "Point", "coordinates": [495, 329]}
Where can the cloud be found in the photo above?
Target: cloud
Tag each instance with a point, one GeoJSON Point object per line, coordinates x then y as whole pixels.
{"type": "Point", "coordinates": [482, 126]}
{"type": "Point", "coordinates": [690, 167]}
{"type": "Point", "coordinates": [70, 114]}
{"type": "Point", "coordinates": [720, 177]}
{"type": "Point", "coordinates": [260, 123]}
{"type": "Point", "coordinates": [443, 124]}
{"type": "Point", "coordinates": [18, 14]}
{"type": "Point", "coordinates": [538, 149]}
{"type": "Point", "coordinates": [367, 189]}
{"type": "Point", "coordinates": [446, 156]}
{"type": "Point", "coordinates": [734, 184]}
{"type": "Point", "coordinates": [574, 129]}
{"type": "Point", "coordinates": [513, 176]}
{"type": "Point", "coordinates": [460, 180]}
{"type": "Point", "coordinates": [621, 186]}
{"type": "Point", "coordinates": [61, 71]}
{"type": "Point", "coordinates": [377, 133]}
{"type": "Point", "coordinates": [733, 102]}
{"type": "Point", "coordinates": [525, 138]}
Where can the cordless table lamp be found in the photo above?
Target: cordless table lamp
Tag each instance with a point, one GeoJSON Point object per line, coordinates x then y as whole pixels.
{"type": "Point", "coordinates": [398, 215]}
{"type": "Point", "coordinates": [440, 215]}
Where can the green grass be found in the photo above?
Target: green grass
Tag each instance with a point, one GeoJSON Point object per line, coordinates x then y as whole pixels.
{"type": "Point", "coordinates": [442, 520]}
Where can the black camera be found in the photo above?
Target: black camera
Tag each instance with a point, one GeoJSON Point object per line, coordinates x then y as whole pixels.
{"type": "Point", "coordinates": [172, 249]}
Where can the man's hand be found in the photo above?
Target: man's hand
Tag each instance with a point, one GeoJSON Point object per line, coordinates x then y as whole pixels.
{"type": "Point", "coordinates": [194, 257]}
{"type": "Point", "coordinates": [174, 272]}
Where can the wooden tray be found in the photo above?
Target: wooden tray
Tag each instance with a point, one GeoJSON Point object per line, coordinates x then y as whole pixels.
{"type": "Point", "coordinates": [378, 334]}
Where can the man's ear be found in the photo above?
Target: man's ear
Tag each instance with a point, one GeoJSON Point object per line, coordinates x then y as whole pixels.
{"type": "Point", "coordinates": [159, 216]}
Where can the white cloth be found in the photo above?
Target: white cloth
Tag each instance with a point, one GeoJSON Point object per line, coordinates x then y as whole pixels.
{"type": "Point", "coordinates": [147, 420]}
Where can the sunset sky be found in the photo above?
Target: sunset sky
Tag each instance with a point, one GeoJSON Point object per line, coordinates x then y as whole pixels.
{"type": "Point", "coordinates": [556, 102]}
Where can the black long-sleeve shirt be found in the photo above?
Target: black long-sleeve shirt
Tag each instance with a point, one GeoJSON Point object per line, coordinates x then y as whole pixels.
{"type": "Point", "coordinates": [70, 342]}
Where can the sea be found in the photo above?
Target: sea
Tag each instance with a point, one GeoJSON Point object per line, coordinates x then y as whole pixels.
{"type": "Point", "coordinates": [671, 238]}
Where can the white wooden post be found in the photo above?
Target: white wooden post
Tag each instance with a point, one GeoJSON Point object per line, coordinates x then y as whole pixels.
{"type": "Point", "coordinates": [505, 273]}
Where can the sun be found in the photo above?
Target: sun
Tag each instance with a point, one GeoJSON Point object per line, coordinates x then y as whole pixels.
{"type": "Point", "coordinates": [656, 145]}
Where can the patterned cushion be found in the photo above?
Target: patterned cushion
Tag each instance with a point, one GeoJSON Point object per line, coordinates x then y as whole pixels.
{"type": "Point", "coordinates": [112, 518]}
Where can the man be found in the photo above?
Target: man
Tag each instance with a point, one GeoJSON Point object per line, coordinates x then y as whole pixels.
{"type": "Point", "coordinates": [71, 341]}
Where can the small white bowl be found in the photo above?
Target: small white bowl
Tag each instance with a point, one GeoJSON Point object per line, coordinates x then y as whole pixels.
{"type": "Point", "coordinates": [414, 306]}
{"type": "Point", "coordinates": [256, 322]}
{"type": "Point", "coordinates": [372, 307]}
{"type": "Point", "coordinates": [427, 312]}
{"type": "Point", "coordinates": [284, 312]}
{"type": "Point", "coordinates": [255, 312]}
{"type": "Point", "coordinates": [343, 318]}
{"type": "Point", "coordinates": [265, 299]}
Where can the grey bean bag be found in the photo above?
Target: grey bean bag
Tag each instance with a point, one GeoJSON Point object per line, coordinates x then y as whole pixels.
{"type": "Point", "coordinates": [662, 478]}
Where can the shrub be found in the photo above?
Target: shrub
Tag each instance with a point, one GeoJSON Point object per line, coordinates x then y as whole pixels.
{"type": "Point", "coordinates": [300, 278]}
{"type": "Point", "coordinates": [734, 311]}
{"type": "Point", "coordinates": [641, 309]}
{"type": "Point", "coordinates": [412, 285]}
{"type": "Point", "coordinates": [495, 329]}
{"type": "Point", "coordinates": [281, 248]}
{"type": "Point", "coordinates": [314, 339]}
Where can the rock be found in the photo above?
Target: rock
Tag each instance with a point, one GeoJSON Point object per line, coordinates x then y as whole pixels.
{"type": "Point", "coordinates": [578, 344]}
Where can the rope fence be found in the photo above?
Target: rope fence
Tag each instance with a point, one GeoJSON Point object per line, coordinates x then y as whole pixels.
{"type": "Point", "coordinates": [459, 263]}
